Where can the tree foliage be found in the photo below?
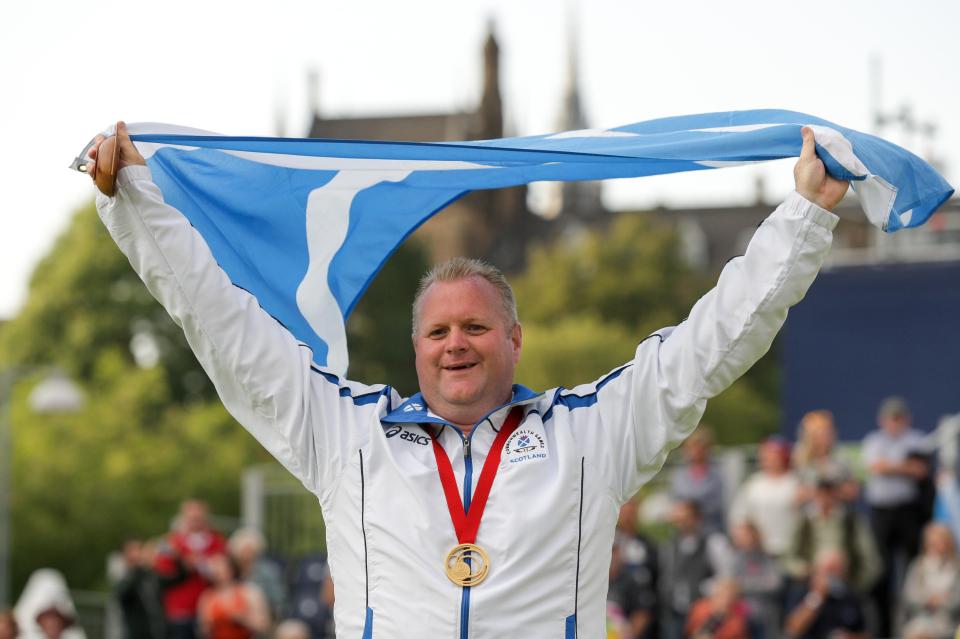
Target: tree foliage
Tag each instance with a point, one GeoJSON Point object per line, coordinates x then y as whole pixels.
{"type": "Point", "coordinates": [585, 303]}
{"type": "Point", "coordinates": [150, 434]}
{"type": "Point", "coordinates": [378, 332]}
{"type": "Point", "coordinates": [84, 300]}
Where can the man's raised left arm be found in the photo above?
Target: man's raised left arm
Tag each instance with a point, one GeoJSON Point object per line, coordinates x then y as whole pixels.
{"type": "Point", "coordinates": [658, 400]}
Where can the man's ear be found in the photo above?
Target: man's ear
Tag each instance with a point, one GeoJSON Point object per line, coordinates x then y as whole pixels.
{"type": "Point", "coordinates": [516, 339]}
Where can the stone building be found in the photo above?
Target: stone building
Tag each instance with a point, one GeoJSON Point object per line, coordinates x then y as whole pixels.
{"type": "Point", "coordinates": [494, 225]}
{"type": "Point", "coordinates": [499, 226]}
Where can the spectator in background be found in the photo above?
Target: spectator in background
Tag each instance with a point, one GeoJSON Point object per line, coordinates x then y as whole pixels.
{"type": "Point", "coordinates": [946, 441]}
{"type": "Point", "coordinates": [631, 597]}
{"type": "Point", "coordinates": [815, 456]}
{"type": "Point", "coordinates": [327, 598]}
{"type": "Point", "coordinates": [231, 608]}
{"type": "Point", "coordinates": [931, 591]}
{"type": "Point", "coordinates": [291, 629]}
{"type": "Point", "coordinates": [829, 609]}
{"type": "Point", "coordinates": [55, 620]}
{"type": "Point", "coordinates": [8, 625]}
{"type": "Point", "coordinates": [140, 592]}
{"type": "Point", "coordinates": [768, 498]}
{"type": "Point", "coordinates": [637, 581]}
{"type": "Point", "coordinates": [638, 550]}
{"type": "Point", "coordinates": [722, 615]}
{"type": "Point", "coordinates": [759, 576]}
{"type": "Point", "coordinates": [246, 547]}
{"type": "Point", "coordinates": [190, 544]}
{"type": "Point", "coordinates": [698, 479]}
{"type": "Point", "coordinates": [828, 523]}
{"type": "Point", "coordinates": [45, 609]}
{"type": "Point", "coordinates": [622, 597]}
{"type": "Point", "coordinates": [689, 559]}
{"type": "Point", "coordinates": [895, 514]}
{"type": "Point", "coordinates": [312, 595]}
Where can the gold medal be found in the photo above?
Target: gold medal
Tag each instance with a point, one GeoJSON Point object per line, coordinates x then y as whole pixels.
{"type": "Point", "coordinates": [467, 565]}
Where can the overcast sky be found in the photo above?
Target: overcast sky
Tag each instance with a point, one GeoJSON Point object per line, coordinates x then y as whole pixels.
{"type": "Point", "coordinates": [67, 69]}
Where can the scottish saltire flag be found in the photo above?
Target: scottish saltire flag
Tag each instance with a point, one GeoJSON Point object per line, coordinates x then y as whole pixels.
{"type": "Point", "coordinates": [305, 224]}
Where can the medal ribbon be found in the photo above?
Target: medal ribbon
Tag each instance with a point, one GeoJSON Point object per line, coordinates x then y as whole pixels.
{"type": "Point", "coordinates": [466, 524]}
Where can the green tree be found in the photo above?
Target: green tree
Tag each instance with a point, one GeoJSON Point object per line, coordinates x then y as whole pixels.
{"type": "Point", "coordinates": [631, 275]}
{"type": "Point", "coordinates": [85, 299]}
{"type": "Point", "coordinates": [378, 331]}
{"type": "Point", "coordinates": [149, 435]}
{"type": "Point", "coordinates": [586, 303]}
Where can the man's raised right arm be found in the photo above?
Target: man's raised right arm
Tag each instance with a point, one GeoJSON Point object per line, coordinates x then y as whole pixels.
{"type": "Point", "coordinates": [260, 370]}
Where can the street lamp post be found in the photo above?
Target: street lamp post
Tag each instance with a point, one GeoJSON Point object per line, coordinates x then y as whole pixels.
{"type": "Point", "coordinates": [55, 394]}
{"type": "Point", "coordinates": [6, 473]}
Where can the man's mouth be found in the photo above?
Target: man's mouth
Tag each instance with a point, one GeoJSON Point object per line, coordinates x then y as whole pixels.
{"type": "Point", "coordinates": [459, 367]}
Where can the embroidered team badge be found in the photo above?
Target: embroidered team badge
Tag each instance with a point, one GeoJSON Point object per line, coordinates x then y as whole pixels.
{"type": "Point", "coordinates": [525, 445]}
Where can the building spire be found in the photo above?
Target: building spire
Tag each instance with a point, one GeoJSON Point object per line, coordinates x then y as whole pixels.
{"type": "Point", "coordinates": [313, 92]}
{"type": "Point", "coordinates": [578, 204]}
{"type": "Point", "coordinates": [573, 116]}
{"type": "Point", "coordinates": [490, 112]}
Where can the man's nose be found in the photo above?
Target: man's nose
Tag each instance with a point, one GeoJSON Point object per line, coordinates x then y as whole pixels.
{"type": "Point", "coordinates": [456, 341]}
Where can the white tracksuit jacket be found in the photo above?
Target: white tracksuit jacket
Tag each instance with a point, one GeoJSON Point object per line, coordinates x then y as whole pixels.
{"type": "Point", "coordinates": [363, 450]}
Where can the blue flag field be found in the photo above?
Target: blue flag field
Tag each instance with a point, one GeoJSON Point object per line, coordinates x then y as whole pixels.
{"type": "Point", "coordinates": [305, 224]}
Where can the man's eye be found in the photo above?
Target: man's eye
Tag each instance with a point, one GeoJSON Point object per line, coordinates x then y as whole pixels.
{"type": "Point", "coordinates": [437, 332]}
{"type": "Point", "coordinates": [476, 328]}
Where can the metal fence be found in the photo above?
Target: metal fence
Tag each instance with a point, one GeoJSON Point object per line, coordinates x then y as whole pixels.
{"type": "Point", "coordinates": [285, 512]}
{"type": "Point", "coordinates": [96, 614]}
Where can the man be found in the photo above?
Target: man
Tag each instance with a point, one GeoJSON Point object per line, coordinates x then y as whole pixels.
{"type": "Point", "coordinates": [699, 479]}
{"type": "Point", "coordinates": [690, 559]}
{"type": "Point", "coordinates": [723, 614]}
{"type": "Point", "coordinates": [416, 550]}
{"type": "Point", "coordinates": [181, 566]}
{"type": "Point", "coordinates": [140, 593]}
{"type": "Point", "coordinates": [829, 609]}
{"type": "Point", "coordinates": [633, 575]}
{"type": "Point", "coordinates": [895, 465]}
{"type": "Point", "coordinates": [829, 523]}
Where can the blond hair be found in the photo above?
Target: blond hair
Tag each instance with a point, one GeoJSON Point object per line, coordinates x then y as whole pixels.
{"type": "Point", "coordinates": [461, 268]}
{"type": "Point", "coordinates": [803, 451]}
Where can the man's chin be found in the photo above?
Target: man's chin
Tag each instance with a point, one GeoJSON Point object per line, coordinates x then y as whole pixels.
{"type": "Point", "coordinates": [461, 396]}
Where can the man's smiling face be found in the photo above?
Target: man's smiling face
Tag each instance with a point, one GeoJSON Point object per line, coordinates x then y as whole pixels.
{"type": "Point", "coordinates": [466, 349]}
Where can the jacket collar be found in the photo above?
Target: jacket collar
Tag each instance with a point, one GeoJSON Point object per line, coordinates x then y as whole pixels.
{"type": "Point", "coordinates": [414, 410]}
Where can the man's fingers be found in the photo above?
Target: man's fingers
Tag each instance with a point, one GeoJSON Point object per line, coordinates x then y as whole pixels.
{"type": "Point", "coordinates": [123, 137]}
{"type": "Point", "coordinates": [95, 147]}
{"type": "Point", "coordinates": [91, 166]}
{"type": "Point", "coordinates": [808, 151]}
{"type": "Point", "coordinates": [128, 150]}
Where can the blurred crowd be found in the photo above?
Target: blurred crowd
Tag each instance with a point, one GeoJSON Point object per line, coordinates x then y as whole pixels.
{"type": "Point", "coordinates": [801, 548]}
{"type": "Point", "coordinates": [191, 583]}
{"type": "Point", "coordinates": [804, 549]}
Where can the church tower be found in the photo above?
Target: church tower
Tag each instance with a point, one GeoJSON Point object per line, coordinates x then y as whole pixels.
{"type": "Point", "coordinates": [574, 204]}
{"type": "Point", "coordinates": [489, 116]}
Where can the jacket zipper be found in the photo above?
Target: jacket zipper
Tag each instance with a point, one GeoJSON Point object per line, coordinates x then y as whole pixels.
{"type": "Point", "coordinates": [467, 485]}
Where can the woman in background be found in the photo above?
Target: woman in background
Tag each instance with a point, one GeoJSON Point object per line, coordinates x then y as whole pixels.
{"type": "Point", "coordinates": [815, 456]}
{"type": "Point", "coordinates": [230, 608]}
{"type": "Point", "coordinates": [931, 592]}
